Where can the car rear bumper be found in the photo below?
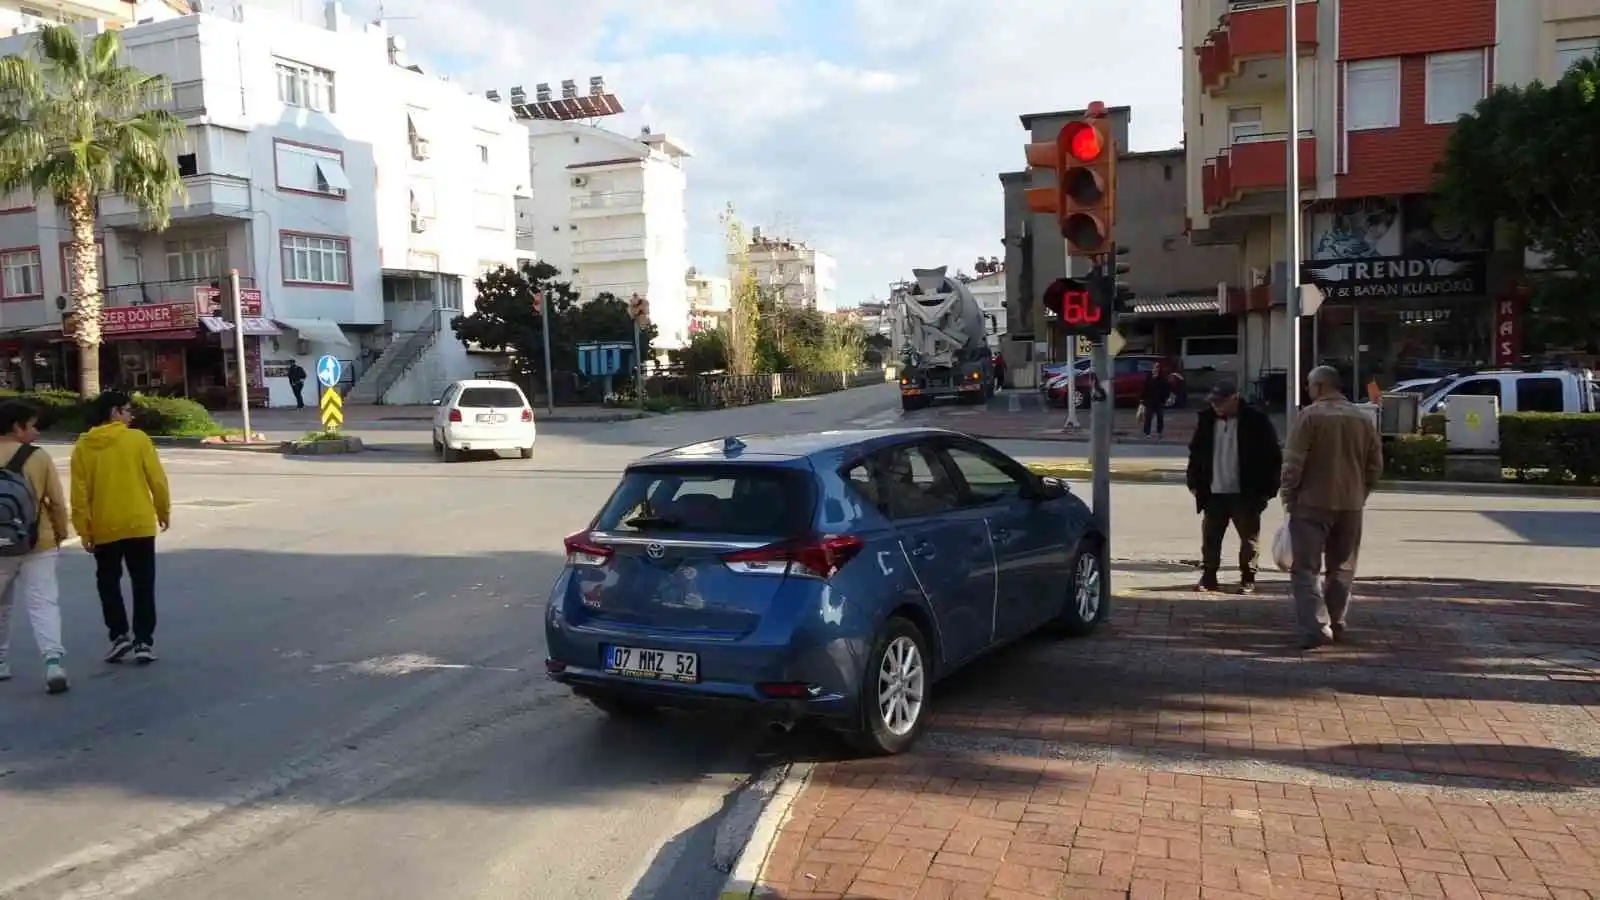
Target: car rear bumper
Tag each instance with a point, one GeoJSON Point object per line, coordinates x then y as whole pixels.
{"type": "Point", "coordinates": [490, 438]}
{"type": "Point", "coordinates": [706, 697]}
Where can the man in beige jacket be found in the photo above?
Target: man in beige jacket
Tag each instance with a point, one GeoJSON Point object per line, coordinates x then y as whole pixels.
{"type": "Point", "coordinates": [1331, 465]}
{"type": "Point", "coordinates": [32, 578]}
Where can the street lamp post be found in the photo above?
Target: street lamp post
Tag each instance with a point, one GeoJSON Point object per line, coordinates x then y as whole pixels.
{"type": "Point", "coordinates": [1291, 53]}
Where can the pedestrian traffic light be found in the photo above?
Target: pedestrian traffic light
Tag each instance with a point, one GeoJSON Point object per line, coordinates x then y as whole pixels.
{"type": "Point", "coordinates": [538, 303]}
{"type": "Point", "coordinates": [1083, 200]}
{"type": "Point", "coordinates": [1078, 306]}
{"type": "Point", "coordinates": [639, 310]}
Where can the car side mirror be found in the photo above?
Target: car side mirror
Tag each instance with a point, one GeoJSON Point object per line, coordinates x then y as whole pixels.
{"type": "Point", "coordinates": [436, 403]}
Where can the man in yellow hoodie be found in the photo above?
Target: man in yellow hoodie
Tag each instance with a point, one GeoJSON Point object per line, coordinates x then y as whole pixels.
{"type": "Point", "coordinates": [119, 501]}
{"type": "Point", "coordinates": [35, 574]}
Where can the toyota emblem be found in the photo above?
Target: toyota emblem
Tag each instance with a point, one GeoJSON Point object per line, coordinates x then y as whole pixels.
{"type": "Point", "coordinates": [655, 551]}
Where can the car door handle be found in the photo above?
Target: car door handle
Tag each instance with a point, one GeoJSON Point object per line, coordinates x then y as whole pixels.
{"type": "Point", "coordinates": [923, 550]}
{"type": "Point", "coordinates": [1002, 535]}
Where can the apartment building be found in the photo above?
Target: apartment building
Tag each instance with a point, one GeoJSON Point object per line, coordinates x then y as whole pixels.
{"type": "Point", "coordinates": [21, 16]}
{"type": "Point", "coordinates": [357, 196]}
{"type": "Point", "coordinates": [608, 209]}
{"type": "Point", "coordinates": [710, 301]}
{"type": "Point", "coordinates": [1382, 84]}
{"type": "Point", "coordinates": [794, 272]}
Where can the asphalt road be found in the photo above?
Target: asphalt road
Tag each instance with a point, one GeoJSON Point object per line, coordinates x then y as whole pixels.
{"type": "Point", "coordinates": [350, 701]}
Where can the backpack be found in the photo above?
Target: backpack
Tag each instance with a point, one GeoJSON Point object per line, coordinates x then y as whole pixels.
{"type": "Point", "coordinates": [19, 508]}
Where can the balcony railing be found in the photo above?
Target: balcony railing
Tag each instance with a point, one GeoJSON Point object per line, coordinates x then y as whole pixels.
{"type": "Point", "coordinates": [179, 290]}
{"type": "Point", "coordinates": [608, 246]}
{"type": "Point", "coordinates": [1255, 164]}
{"type": "Point", "coordinates": [1252, 30]}
{"type": "Point", "coordinates": [610, 201]}
{"type": "Point", "coordinates": [209, 196]}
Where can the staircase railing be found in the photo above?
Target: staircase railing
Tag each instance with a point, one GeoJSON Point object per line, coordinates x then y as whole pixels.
{"type": "Point", "coordinates": [411, 349]}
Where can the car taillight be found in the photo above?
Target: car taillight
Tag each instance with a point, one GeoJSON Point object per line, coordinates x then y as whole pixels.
{"type": "Point", "coordinates": [527, 415]}
{"type": "Point", "coordinates": [583, 551]}
{"type": "Point", "coordinates": [812, 557]}
{"type": "Point", "coordinates": [455, 415]}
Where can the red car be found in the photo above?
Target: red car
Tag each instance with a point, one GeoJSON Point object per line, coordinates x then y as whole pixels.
{"type": "Point", "coordinates": [1128, 375]}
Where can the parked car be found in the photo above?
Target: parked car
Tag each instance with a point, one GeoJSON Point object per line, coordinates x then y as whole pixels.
{"type": "Point", "coordinates": [1547, 390]}
{"type": "Point", "coordinates": [833, 576]}
{"type": "Point", "coordinates": [1127, 381]}
{"type": "Point", "coordinates": [480, 414]}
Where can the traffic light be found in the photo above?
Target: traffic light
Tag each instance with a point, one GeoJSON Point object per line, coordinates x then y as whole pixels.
{"type": "Point", "coordinates": [1083, 200]}
{"type": "Point", "coordinates": [538, 303]}
{"type": "Point", "coordinates": [639, 310]}
{"type": "Point", "coordinates": [1082, 307]}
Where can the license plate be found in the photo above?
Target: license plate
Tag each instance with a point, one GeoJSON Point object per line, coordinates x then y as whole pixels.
{"type": "Point", "coordinates": [659, 665]}
{"type": "Point", "coordinates": [491, 418]}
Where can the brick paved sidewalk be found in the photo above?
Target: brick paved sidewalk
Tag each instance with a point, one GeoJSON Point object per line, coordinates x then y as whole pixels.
{"type": "Point", "coordinates": [1451, 749]}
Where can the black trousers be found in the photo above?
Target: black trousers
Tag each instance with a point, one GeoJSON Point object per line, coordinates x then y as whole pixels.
{"type": "Point", "coordinates": [1155, 414]}
{"type": "Point", "coordinates": [1244, 515]}
{"type": "Point", "coordinates": [298, 387]}
{"type": "Point", "coordinates": [139, 556]}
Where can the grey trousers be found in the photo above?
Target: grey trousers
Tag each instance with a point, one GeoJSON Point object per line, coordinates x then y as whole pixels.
{"type": "Point", "coordinates": [1326, 542]}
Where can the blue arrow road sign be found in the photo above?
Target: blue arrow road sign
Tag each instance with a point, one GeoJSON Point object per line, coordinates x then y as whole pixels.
{"type": "Point", "coordinates": [328, 371]}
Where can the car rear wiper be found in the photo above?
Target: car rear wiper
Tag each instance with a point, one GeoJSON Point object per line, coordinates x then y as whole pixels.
{"type": "Point", "coordinates": [647, 521]}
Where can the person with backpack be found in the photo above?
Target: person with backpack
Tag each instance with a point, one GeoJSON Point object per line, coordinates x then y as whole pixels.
{"type": "Point", "coordinates": [120, 500]}
{"type": "Point", "coordinates": [33, 523]}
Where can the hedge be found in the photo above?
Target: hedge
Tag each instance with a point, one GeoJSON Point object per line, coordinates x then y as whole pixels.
{"type": "Point", "coordinates": [1558, 448]}
{"type": "Point", "coordinates": [67, 412]}
{"type": "Point", "coordinates": [1414, 457]}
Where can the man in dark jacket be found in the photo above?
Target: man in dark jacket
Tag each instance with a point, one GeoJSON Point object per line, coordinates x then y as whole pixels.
{"type": "Point", "coordinates": [1157, 391]}
{"type": "Point", "coordinates": [297, 383]}
{"type": "Point", "coordinates": [1234, 467]}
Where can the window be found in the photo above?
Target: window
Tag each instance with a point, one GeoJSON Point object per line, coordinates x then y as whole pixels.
{"type": "Point", "coordinates": [491, 211]}
{"type": "Point", "coordinates": [1243, 122]}
{"type": "Point", "coordinates": [417, 132]}
{"type": "Point", "coordinates": [1456, 83]}
{"type": "Point", "coordinates": [986, 481]}
{"type": "Point", "coordinates": [483, 153]}
{"type": "Point", "coordinates": [188, 164]}
{"type": "Point", "coordinates": [1372, 94]}
{"type": "Point", "coordinates": [1469, 387]}
{"type": "Point", "coordinates": [315, 259]}
{"type": "Point", "coordinates": [67, 270]}
{"type": "Point", "coordinates": [449, 292]}
{"type": "Point", "coordinates": [17, 201]}
{"type": "Point", "coordinates": [913, 482]}
{"type": "Point", "coordinates": [197, 257]}
{"type": "Point", "coordinates": [491, 398]}
{"type": "Point", "coordinates": [21, 274]}
{"type": "Point", "coordinates": [744, 501]}
{"type": "Point", "coordinates": [1547, 395]}
{"type": "Point", "coordinates": [1213, 345]}
{"type": "Point", "coordinates": [307, 87]}
{"type": "Point", "coordinates": [1569, 52]}
{"type": "Point", "coordinates": [304, 169]}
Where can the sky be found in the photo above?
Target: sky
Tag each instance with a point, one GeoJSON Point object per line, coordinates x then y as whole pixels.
{"type": "Point", "coordinates": [875, 130]}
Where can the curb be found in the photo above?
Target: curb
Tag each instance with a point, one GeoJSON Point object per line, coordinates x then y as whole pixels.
{"type": "Point", "coordinates": [744, 880]}
{"type": "Point", "coordinates": [1473, 488]}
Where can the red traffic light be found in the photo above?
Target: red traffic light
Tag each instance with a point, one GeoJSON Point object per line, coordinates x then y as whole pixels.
{"type": "Point", "coordinates": [1082, 141]}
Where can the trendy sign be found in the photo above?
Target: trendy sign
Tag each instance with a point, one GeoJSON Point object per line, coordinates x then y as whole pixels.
{"type": "Point", "coordinates": [1398, 277]}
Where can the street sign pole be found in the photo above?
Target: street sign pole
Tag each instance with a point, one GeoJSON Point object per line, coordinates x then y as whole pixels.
{"type": "Point", "coordinates": [236, 306]}
{"type": "Point", "coordinates": [1103, 410]}
{"type": "Point", "coordinates": [1071, 424]}
{"type": "Point", "coordinates": [638, 367]}
{"type": "Point", "coordinates": [549, 374]}
{"type": "Point", "coordinates": [330, 405]}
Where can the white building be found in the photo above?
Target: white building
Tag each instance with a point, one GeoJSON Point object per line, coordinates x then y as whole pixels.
{"type": "Point", "coordinates": [19, 16]}
{"type": "Point", "coordinates": [795, 272]}
{"type": "Point", "coordinates": [608, 210]}
{"type": "Point", "coordinates": [710, 301]}
{"type": "Point", "coordinates": [312, 165]}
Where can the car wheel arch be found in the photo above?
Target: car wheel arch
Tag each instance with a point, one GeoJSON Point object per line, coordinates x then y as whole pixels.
{"type": "Point", "coordinates": [923, 619]}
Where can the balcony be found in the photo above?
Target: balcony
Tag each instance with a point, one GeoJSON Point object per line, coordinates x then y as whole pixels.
{"type": "Point", "coordinates": [608, 249]}
{"type": "Point", "coordinates": [1250, 176]}
{"type": "Point", "coordinates": [1248, 41]}
{"type": "Point", "coordinates": [611, 203]}
{"type": "Point", "coordinates": [223, 197]}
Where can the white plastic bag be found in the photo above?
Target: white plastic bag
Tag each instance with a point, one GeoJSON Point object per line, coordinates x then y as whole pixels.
{"type": "Point", "coordinates": [1282, 549]}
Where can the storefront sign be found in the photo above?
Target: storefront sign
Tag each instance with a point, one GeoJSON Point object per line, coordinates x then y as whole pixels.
{"type": "Point", "coordinates": [208, 301]}
{"type": "Point", "coordinates": [252, 364]}
{"type": "Point", "coordinates": [123, 320]}
{"type": "Point", "coordinates": [1399, 277]}
{"type": "Point", "coordinates": [1508, 329]}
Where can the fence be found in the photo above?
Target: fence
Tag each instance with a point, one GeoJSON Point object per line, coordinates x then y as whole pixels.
{"type": "Point", "coordinates": [701, 391]}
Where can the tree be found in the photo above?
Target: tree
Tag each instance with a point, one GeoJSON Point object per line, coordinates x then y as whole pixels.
{"type": "Point", "coordinates": [707, 352]}
{"type": "Point", "coordinates": [745, 298]}
{"type": "Point", "coordinates": [1525, 158]}
{"type": "Point", "coordinates": [75, 123]}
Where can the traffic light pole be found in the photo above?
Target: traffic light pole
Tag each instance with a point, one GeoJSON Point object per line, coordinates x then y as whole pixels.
{"type": "Point", "coordinates": [1103, 410]}
{"type": "Point", "coordinates": [1292, 276]}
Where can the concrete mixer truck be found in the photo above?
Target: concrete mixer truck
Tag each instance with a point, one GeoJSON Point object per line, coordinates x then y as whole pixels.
{"type": "Point", "coordinates": [945, 350]}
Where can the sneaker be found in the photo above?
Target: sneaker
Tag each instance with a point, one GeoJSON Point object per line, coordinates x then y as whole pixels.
{"type": "Point", "coordinates": [1314, 641]}
{"type": "Point", "coordinates": [1247, 586]}
{"type": "Point", "coordinates": [1338, 633]}
{"type": "Point", "coordinates": [55, 677]}
{"type": "Point", "coordinates": [5, 671]}
{"type": "Point", "coordinates": [120, 647]}
{"type": "Point", "coordinates": [143, 655]}
{"type": "Point", "coordinates": [1208, 584]}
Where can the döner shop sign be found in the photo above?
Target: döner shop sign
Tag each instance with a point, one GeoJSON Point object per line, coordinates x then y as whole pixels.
{"type": "Point", "coordinates": [1398, 277]}
{"type": "Point", "coordinates": [142, 319]}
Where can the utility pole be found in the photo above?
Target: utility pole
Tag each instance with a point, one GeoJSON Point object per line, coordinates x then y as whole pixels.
{"type": "Point", "coordinates": [1291, 281]}
{"type": "Point", "coordinates": [240, 369]}
{"type": "Point", "coordinates": [549, 365]}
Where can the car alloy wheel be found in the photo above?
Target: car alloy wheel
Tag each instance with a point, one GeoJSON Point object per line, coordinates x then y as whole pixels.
{"type": "Point", "coordinates": [902, 678]}
{"type": "Point", "coordinates": [1086, 595]}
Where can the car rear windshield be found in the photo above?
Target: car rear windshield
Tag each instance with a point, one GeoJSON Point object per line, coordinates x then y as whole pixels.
{"type": "Point", "coordinates": [490, 398]}
{"type": "Point", "coordinates": [748, 501]}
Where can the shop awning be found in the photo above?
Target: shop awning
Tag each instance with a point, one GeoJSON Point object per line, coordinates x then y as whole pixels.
{"type": "Point", "coordinates": [317, 331]}
{"type": "Point", "coordinates": [1175, 306]}
{"type": "Point", "coordinates": [255, 326]}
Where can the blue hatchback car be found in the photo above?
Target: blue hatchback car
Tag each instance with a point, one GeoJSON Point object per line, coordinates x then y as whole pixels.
{"type": "Point", "coordinates": [834, 576]}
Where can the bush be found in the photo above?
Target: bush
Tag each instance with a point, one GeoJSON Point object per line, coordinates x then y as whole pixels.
{"type": "Point", "coordinates": [58, 410]}
{"type": "Point", "coordinates": [1551, 447]}
{"type": "Point", "coordinates": [66, 412]}
{"type": "Point", "coordinates": [1414, 457]}
{"type": "Point", "coordinates": [1434, 423]}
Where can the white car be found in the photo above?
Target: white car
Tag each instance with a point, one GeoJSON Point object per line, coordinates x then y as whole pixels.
{"type": "Point", "coordinates": [483, 415]}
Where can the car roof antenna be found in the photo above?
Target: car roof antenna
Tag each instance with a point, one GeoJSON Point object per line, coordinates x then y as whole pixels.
{"type": "Point", "coordinates": [732, 445]}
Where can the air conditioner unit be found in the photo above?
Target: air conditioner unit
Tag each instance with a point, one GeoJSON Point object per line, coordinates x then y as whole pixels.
{"type": "Point", "coordinates": [419, 224]}
{"type": "Point", "coordinates": [420, 148]}
{"type": "Point", "coordinates": [580, 181]}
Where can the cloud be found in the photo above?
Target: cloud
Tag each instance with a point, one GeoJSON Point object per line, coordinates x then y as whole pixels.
{"type": "Point", "coordinates": [875, 129]}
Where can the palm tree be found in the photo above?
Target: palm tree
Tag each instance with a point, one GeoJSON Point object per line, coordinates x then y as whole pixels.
{"type": "Point", "coordinates": [75, 123]}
